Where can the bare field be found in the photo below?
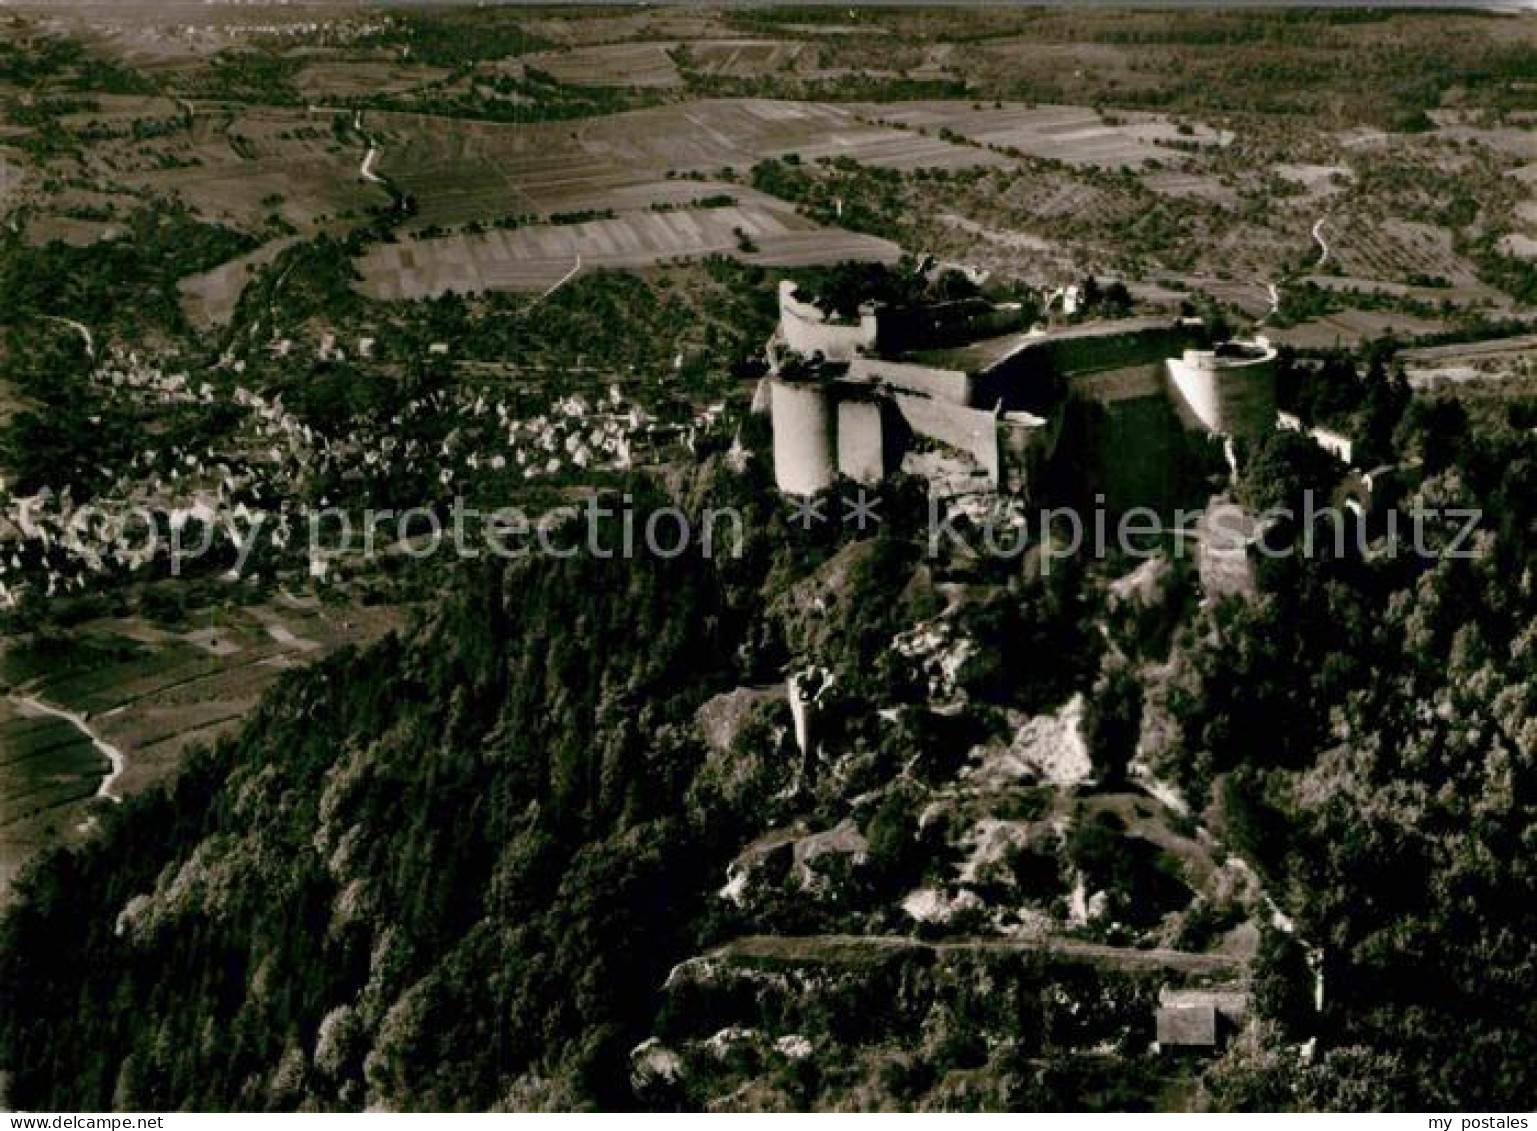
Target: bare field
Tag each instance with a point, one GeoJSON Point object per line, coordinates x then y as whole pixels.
{"type": "Point", "coordinates": [209, 299]}
{"type": "Point", "coordinates": [597, 25]}
{"type": "Point", "coordinates": [1351, 327]}
{"type": "Point", "coordinates": [1400, 290]}
{"type": "Point", "coordinates": [744, 58]}
{"type": "Point", "coordinates": [1523, 247]}
{"type": "Point", "coordinates": [537, 257]}
{"type": "Point", "coordinates": [361, 79]}
{"type": "Point", "coordinates": [1076, 70]}
{"type": "Point", "coordinates": [48, 227]}
{"type": "Point", "coordinates": [1193, 186]}
{"type": "Point", "coordinates": [1509, 362]}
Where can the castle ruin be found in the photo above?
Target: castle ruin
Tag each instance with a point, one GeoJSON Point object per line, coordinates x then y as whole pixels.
{"type": "Point", "coordinates": [1104, 407]}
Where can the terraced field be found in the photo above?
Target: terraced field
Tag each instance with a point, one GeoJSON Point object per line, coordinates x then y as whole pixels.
{"type": "Point", "coordinates": [1350, 327]}
{"type": "Point", "coordinates": [349, 79]}
{"type": "Point", "coordinates": [47, 768]}
{"type": "Point", "coordinates": [240, 168]}
{"type": "Point", "coordinates": [744, 58]}
{"type": "Point", "coordinates": [1395, 250]}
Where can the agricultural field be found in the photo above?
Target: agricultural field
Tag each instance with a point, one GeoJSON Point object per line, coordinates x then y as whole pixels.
{"type": "Point", "coordinates": [209, 298]}
{"type": "Point", "coordinates": [1075, 135]}
{"type": "Point", "coordinates": [597, 26]}
{"type": "Point", "coordinates": [351, 79]}
{"type": "Point", "coordinates": [48, 774]}
{"type": "Point", "coordinates": [1347, 328]}
{"type": "Point", "coordinates": [1495, 360]}
{"type": "Point", "coordinates": [1107, 154]}
{"type": "Point", "coordinates": [646, 64]}
{"type": "Point", "coordinates": [744, 58]}
{"type": "Point", "coordinates": [459, 171]}
{"type": "Point", "coordinates": [540, 256]}
{"type": "Point", "coordinates": [245, 168]}
{"type": "Point", "coordinates": [149, 691]}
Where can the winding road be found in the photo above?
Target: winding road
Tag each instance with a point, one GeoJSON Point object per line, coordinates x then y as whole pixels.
{"type": "Point", "coordinates": [1323, 247]}
{"type": "Point", "coordinates": [1323, 257]}
{"type": "Point", "coordinates": [371, 158]}
{"type": "Point", "coordinates": [78, 721]}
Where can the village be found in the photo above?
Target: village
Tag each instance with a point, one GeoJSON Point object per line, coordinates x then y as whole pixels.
{"type": "Point", "coordinates": [273, 469]}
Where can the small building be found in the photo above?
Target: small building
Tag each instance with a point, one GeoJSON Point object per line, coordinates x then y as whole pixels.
{"type": "Point", "coordinates": [1187, 1028]}
{"type": "Point", "coordinates": [1198, 1020]}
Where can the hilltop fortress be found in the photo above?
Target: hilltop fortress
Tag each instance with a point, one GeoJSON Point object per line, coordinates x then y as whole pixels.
{"type": "Point", "coordinates": [962, 394]}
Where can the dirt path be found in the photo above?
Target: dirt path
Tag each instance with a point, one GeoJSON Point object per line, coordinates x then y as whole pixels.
{"type": "Point", "coordinates": [1323, 247]}
{"type": "Point", "coordinates": [371, 158]}
{"type": "Point", "coordinates": [78, 327]}
{"type": "Point", "coordinates": [576, 269]}
{"type": "Point", "coordinates": [846, 948]}
{"type": "Point", "coordinates": [366, 170]}
{"type": "Point", "coordinates": [113, 754]}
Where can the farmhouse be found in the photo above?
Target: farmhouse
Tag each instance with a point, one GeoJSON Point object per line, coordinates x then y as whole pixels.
{"type": "Point", "coordinates": [1098, 409]}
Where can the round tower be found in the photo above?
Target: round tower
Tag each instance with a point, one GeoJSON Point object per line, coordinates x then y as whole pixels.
{"type": "Point", "coordinates": [1229, 389]}
{"type": "Point", "coordinates": [805, 436]}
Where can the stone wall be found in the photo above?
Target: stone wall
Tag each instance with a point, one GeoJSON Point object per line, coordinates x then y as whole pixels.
{"type": "Point", "coordinates": [862, 440]}
{"type": "Point", "coordinates": [1033, 376]}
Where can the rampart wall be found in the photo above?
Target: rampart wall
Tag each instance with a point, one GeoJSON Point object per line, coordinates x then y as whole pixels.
{"type": "Point", "coordinates": [969, 430]}
{"type": "Point", "coordinates": [942, 384]}
{"type": "Point", "coordinates": [1032, 375]}
{"type": "Point", "coordinates": [807, 331]}
{"type": "Point", "coordinates": [863, 436]}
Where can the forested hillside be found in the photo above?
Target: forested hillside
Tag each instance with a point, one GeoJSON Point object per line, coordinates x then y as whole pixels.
{"type": "Point", "coordinates": [425, 871]}
{"type": "Point", "coordinates": [1371, 725]}
{"type": "Point", "coordinates": [455, 870]}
